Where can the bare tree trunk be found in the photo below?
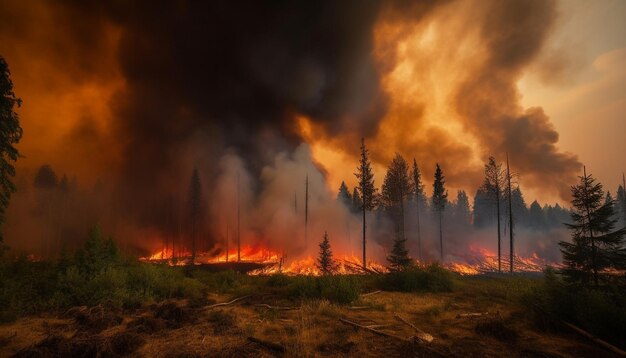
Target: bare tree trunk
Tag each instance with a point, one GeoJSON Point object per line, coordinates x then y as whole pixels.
{"type": "Point", "coordinates": [306, 212]}
{"type": "Point", "coordinates": [508, 175]}
{"type": "Point", "coordinates": [419, 236]}
{"type": "Point", "coordinates": [238, 221]}
{"type": "Point", "coordinates": [440, 235]}
{"type": "Point", "coordinates": [498, 219]}
{"type": "Point", "coordinates": [364, 262]}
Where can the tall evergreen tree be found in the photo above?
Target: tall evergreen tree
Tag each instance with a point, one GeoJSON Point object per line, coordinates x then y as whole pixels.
{"type": "Point", "coordinates": [520, 211]}
{"type": "Point", "coordinates": [620, 205]}
{"type": "Point", "coordinates": [367, 190]}
{"type": "Point", "coordinates": [536, 217]}
{"type": "Point", "coordinates": [399, 257]}
{"type": "Point", "coordinates": [344, 196]}
{"type": "Point", "coordinates": [357, 203]}
{"type": "Point", "coordinates": [395, 190]}
{"type": "Point", "coordinates": [483, 213]}
{"type": "Point", "coordinates": [10, 135]}
{"type": "Point", "coordinates": [462, 213]}
{"type": "Point", "coordinates": [495, 182]}
{"type": "Point", "coordinates": [325, 262]}
{"type": "Point", "coordinates": [195, 208]}
{"type": "Point", "coordinates": [418, 191]}
{"type": "Point", "coordinates": [439, 201]}
{"type": "Point", "coordinates": [595, 246]}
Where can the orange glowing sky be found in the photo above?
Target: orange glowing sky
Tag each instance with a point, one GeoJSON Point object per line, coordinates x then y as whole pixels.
{"type": "Point", "coordinates": [65, 109]}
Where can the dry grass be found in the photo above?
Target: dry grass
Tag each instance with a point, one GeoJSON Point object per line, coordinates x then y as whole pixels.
{"type": "Point", "coordinates": [173, 329]}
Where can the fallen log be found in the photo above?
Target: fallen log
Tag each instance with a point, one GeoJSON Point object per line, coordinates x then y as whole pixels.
{"type": "Point", "coordinates": [475, 314]}
{"type": "Point", "coordinates": [227, 303]}
{"type": "Point", "coordinates": [356, 308]}
{"type": "Point", "coordinates": [269, 345]}
{"type": "Point", "coordinates": [421, 335]}
{"type": "Point", "coordinates": [278, 308]}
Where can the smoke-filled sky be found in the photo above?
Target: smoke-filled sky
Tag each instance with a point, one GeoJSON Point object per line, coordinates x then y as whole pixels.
{"type": "Point", "coordinates": [138, 93]}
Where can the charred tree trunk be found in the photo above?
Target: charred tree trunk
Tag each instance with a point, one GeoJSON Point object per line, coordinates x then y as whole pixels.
{"type": "Point", "coordinates": [508, 175]}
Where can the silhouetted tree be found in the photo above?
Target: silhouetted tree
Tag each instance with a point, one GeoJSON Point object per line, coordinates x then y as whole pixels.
{"type": "Point", "coordinates": [483, 209]}
{"type": "Point", "coordinates": [344, 195]}
{"type": "Point", "coordinates": [418, 191]}
{"type": "Point", "coordinates": [10, 135]}
{"type": "Point", "coordinates": [439, 199]}
{"type": "Point", "coordinates": [536, 217]}
{"type": "Point", "coordinates": [367, 190]}
{"type": "Point", "coordinates": [357, 203]}
{"type": "Point", "coordinates": [46, 178]}
{"type": "Point", "coordinates": [396, 188]}
{"type": "Point", "coordinates": [520, 211]}
{"type": "Point", "coordinates": [325, 262]}
{"type": "Point", "coordinates": [595, 246]}
{"type": "Point", "coordinates": [462, 213]}
{"type": "Point", "coordinates": [495, 182]}
{"type": "Point", "coordinates": [399, 257]}
{"type": "Point", "coordinates": [620, 205]}
{"type": "Point", "coordinates": [195, 205]}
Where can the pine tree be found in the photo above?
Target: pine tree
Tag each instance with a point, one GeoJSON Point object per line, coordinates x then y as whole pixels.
{"type": "Point", "coordinates": [399, 257]}
{"type": "Point", "coordinates": [10, 135]}
{"type": "Point", "coordinates": [440, 199]}
{"type": "Point", "coordinates": [495, 182]}
{"type": "Point", "coordinates": [418, 191]}
{"type": "Point", "coordinates": [344, 196]}
{"type": "Point", "coordinates": [482, 209]}
{"type": "Point", "coordinates": [462, 211]}
{"type": "Point", "coordinates": [195, 205]}
{"type": "Point", "coordinates": [595, 246]}
{"type": "Point", "coordinates": [620, 205]}
{"type": "Point", "coordinates": [396, 188]}
{"type": "Point", "coordinates": [325, 262]}
{"type": "Point", "coordinates": [535, 216]}
{"type": "Point", "coordinates": [367, 190]}
{"type": "Point", "coordinates": [356, 201]}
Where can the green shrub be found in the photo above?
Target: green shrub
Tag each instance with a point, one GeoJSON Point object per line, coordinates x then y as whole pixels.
{"type": "Point", "coordinates": [433, 278]}
{"type": "Point", "coordinates": [334, 288]}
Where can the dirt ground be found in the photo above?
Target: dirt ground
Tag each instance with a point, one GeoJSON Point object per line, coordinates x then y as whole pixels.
{"type": "Point", "coordinates": [248, 328]}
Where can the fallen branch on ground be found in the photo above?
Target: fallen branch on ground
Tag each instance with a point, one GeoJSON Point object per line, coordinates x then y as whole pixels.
{"type": "Point", "coordinates": [227, 303]}
{"type": "Point", "coordinates": [421, 335]}
{"type": "Point", "coordinates": [278, 308]}
{"type": "Point", "coordinates": [269, 345]}
{"type": "Point", "coordinates": [375, 331]}
{"type": "Point", "coordinates": [371, 293]}
{"type": "Point", "coordinates": [475, 314]}
{"type": "Point", "coordinates": [359, 307]}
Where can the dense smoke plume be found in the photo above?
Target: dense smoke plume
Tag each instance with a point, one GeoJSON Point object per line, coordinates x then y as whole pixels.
{"type": "Point", "coordinates": [226, 86]}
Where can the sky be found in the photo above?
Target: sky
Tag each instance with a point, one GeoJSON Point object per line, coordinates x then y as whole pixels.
{"type": "Point", "coordinates": [105, 90]}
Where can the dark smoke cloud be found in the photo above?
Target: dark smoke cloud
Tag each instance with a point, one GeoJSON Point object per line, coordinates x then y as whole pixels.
{"type": "Point", "coordinates": [514, 33]}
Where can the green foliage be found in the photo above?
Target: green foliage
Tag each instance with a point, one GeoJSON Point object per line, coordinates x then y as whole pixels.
{"type": "Point", "coordinates": [600, 312]}
{"type": "Point", "coordinates": [433, 278]}
{"type": "Point", "coordinates": [10, 135]}
{"type": "Point", "coordinates": [399, 259]}
{"type": "Point", "coordinates": [325, 262]}
{"type": "Point", "coordinates": [595, 246]}
{"type": "Point", "coordinates": [338, 288]}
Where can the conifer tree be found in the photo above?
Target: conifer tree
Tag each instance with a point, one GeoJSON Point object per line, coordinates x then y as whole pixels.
{"type": "Point", "coordinates": [462, 211]}
{"type": "Point", "coordinates": [495, 182]}
{"type": "Point", "coordinates": [399, 257]}
{"type": "Point", "coordinates": [367, 190]}
{"type": "Point", "coordinates": [396, 188]}
{"type": "Point", "coordinates": [344, 196]}
{"type": "Point", "coordinates": [595, 246]}
{"type": "Point", "coordinates": [439, 199]}
{"type": "Point", "coordinates": [356, 200]}
{"type": "Point", "coordinates": [10, 135]}
{"type": "Point", "coordinates": [418, 191]}
{"type": "Point", "coordinates": [620, 205]}
{"type": "Point", "coordinates": [325, 262]}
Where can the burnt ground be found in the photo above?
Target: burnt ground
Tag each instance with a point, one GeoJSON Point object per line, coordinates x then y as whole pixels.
{"type": "Point", "coordinates": [313, 328]}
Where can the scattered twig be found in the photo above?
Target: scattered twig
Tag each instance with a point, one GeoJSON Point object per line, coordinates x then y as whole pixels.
{"type": "Point", "coordinates": [375, 331]}
{"type": "Point", "coordinates": [269, 345]}
{"type": "Point", "coordinates": [227, 303]}
{"type": "Point", "coordinates": [278, 308]}
{"type": "Point", "coordinates": [421, 335]}
{"type": "Point", "coordinates": [355, 308]}
{"type": "Point", "coordinates": [371, 293]}
{"type": "Point", "coordinates": [375, 326]}
{"type": "Point", "coordinates": [474, 314]}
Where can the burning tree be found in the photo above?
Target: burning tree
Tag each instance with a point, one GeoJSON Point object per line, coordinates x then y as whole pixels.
{"type": "Point", "coordinates": [367, 191]}
{"type": "Point", "coordinates": [10, 135]}
{"type": "Point", "coordinates": [595, 245]}
{"type": "Point", "coordinates": [325, 263]}
{"type": "Point", "coordinates": [440, 199]}
{"type": "Point", "coordinates": [195, 205]}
